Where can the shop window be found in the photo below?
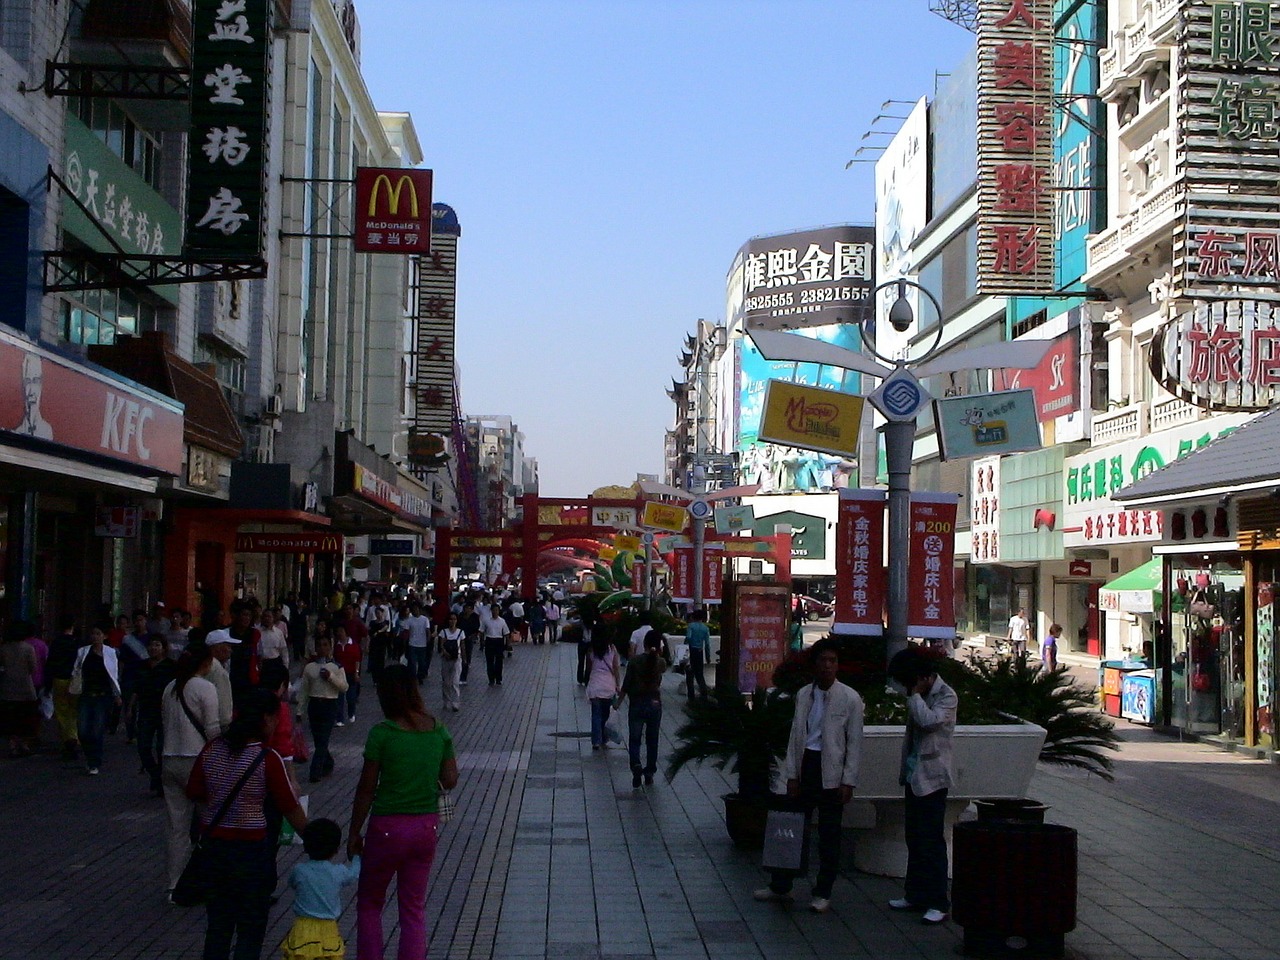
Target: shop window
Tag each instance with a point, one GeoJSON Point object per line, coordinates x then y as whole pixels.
{"type": "Point", "coordinates": [102, 316]}
{"type": "Point", "coordinates": [228, 367]}
{"type": "Point", "coordinates": [15, 235]}
{"type": "Point", "coordinates": [135, 146]}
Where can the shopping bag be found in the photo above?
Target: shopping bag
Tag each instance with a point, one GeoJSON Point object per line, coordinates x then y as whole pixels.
{"type": "Point", "coordinates": [301, 753]}
{"type": "Point", "coordinates": [46, 706]}
{"type": "Point", "coordinates": [288, 836]}
{"type": "Point", "coordinates": [783, 840]}
{"type": "Point", "coordinates": [444, 805]}
{"type": "Point", "coordinates": [613, 726]}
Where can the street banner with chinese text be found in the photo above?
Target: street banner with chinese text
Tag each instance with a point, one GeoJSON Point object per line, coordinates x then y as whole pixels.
{"type": "Point", "coordinates": [393, 210]}
{"type": "Point", "coordinates": [682, 575]}
{"type": "Point", "coordinates": [811, 419]}
{"type": "Point", "coordinates": [665, 516]}
{"type": "Point", "coordinates": [860, 574]}
{"type": "Point", "coordinates": [1015, 147]}
{"type": "Point", "coordinates": [226, 146]}
{"type": "Point", "coordinates": [713, 555]}
{"type": "Point", "coordinates": [931, 611]}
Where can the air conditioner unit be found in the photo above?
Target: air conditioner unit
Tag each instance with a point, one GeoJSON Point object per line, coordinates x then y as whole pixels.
{"type": "Point", "coordinates": [274, 406]}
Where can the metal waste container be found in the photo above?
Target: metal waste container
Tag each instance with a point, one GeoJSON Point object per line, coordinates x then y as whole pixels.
{"type": "Point", "coordinates": [1013, 887]}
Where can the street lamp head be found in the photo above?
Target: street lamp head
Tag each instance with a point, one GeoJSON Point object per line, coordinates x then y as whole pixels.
{"type": "Point", "coordinates": [901, 316]}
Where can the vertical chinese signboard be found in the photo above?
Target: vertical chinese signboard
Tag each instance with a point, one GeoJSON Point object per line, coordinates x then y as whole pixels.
{"type": "Point", "coordinates": [930, 605]}
{"type": "Point", "coordinates": [757, 637]}
{"type": "Point", "coordinates": [682, 575]}
{"type": "Point", "coordinates": [1015, 147]}
{"type": "Point", "coordinates": [1230, 76]}
{"type": "Point", "coordinates": [226, 151]}
{"type": "Point", "coordinates": [437, 273]}
{"type": "Point", "coordinates": [984, 524]}
{"type": "Point", "coordinates": [1076, 162]}
{"type": "Point", "coordinates": [860, 576]}
{"type": "Point", "coordinates": [712, 573]}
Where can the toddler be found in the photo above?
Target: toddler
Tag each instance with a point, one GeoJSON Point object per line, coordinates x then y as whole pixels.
{"type": "Point", "coordinates": [317, 884]}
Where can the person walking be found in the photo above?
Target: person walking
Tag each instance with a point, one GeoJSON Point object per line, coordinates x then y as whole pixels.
{"type": "Point", "coordinates": [408, 759]}
{"type": "Point", "coordinates": [236, 775]}
{"type": "Point", "coordinates": [553, 620]}
{"type": "Point", "coordinates": [536, 614]}
{"type": "Point", "coordinates": [697, 637]}
{"type": "Point", "coordinates": [20, 676]}
{"type": "Point", "coordinates": [349, 656]}
{"type": "Point", "coordinates": [323, 683]}
{"type": "Point", "coordinates": [1049, 647]}
{"type": "Point", "coordinates": [317, 884]}
{"type": "Point", "coordinates": [220, 643]}
{"type": "Point", "coordinates": [95, 679]}
{"type": "Point", "coordinates": [449, 641]}
{"type": "Point", "coordinates": [926, 776]}
{"type": "Point", "coordinates": [642, 689]}
{"type": "Point", "coordinates": [1019, 633]}
{"type": "Point", "coordinates": [603, 680]}
{"type": "Point", "coordinates": [189, 718]}
{"type": "Point", "coordinates": [415, 632]}
{"type": "Point", "coordinates": [584, 646]}
{"type": "Point", "coordinates": [496, 633]}
{"type": "Point", "coordinates": [155, 674]}
{"type": "Point", "coordinates": [824, 752]}
{"type": "Point", "coordinates": [469, 621]}
{"type": "Point", "coordinates": [58, 670]}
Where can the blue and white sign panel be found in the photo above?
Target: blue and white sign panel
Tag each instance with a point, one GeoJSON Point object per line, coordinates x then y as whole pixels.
{"type": "Point", "coordinates": [986, 424]}
{"type": "Point", "coordinates": [900, 397]}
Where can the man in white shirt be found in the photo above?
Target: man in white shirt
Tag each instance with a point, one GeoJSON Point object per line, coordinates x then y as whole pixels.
{"type": "Point", "coordinates": [415, 632]}
{"type": "Point", "coordinates": [1019, 632]}
{"type": "Point", "coordinates": [273, 640]}
{"type": "Point", "coordinates": [821, 769]}
{"type": "Point", "coordinates": [636, 647]}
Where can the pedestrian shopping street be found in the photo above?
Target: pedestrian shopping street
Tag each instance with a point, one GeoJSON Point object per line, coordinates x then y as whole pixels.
{"type": "Point", "coordinates": [552, 854]}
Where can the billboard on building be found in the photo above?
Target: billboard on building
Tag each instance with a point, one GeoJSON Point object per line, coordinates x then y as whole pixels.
{"type": "Point", "coordinates": [1077, 171]}
{"type": "Point", "coordinates": [902, 204]}
{"type": "Point", "coordinates": [226, 147]}
{"type": "Point", "coordinates": [1015, 147]}
{"type": "Point", "coordinates": [437, 276]}
{"type": "Point", "coordinates": [811, 278]}
{"type": "Point", "coordinates": [1230, 88]}
{"type": "Point", "coordinates": [811, 419]}
{"type": "Point", "coordinates": [1221, 355]}
{"type": "Point", "coordinates": [393, 210]}
{"type": "Point", "coordinates": [1055, 380]}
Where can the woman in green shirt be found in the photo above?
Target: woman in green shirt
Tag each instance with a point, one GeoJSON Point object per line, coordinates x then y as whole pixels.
{"type": "Point", "coordinates": [408, 759]}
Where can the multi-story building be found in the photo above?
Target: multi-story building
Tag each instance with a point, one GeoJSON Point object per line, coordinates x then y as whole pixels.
{"type": "Point", "coordinates": [694, 439]}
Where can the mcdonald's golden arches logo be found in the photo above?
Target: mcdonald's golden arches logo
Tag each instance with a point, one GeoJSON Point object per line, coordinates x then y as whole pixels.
{"type": "Point", "coordinates": [393, 210]}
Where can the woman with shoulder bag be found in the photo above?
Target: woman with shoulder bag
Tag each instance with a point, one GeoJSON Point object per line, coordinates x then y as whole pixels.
{"type": "Point", "coordinates": [408, 761]}
{"type": "Point", "coordinates": [189, 718]}
{"type": "Point", "coordinates": [449, 643]}
{"type": "Point", "coordinates": [234, 777]}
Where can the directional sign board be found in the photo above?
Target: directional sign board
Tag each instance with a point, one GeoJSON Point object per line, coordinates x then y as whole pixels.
{"type": "Point", "coordinates": [900, 397]}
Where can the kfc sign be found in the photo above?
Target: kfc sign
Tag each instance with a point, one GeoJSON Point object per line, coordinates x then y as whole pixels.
{"type": "Point", "coordinates": [1015, 147]}
{"type": "Point", "coordinates": [393, 210]}
{"type": "Point", "coordinates": [48, 398]}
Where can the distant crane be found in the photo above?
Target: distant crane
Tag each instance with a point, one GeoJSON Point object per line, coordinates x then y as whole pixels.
{"type": "Point", "coordinates": [961, 12]}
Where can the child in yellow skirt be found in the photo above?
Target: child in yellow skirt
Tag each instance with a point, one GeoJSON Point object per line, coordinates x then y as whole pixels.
{"type": "Point", "coordinates": [317, 884]}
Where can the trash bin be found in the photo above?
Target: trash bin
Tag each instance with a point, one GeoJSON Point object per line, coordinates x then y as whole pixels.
{"type": "Point", "coordinates": [1013, 887]}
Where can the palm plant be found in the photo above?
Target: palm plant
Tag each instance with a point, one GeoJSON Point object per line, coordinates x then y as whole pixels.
{"type": "Point", "coordinates": [1076, 733]}
{"type": "Point", "coordinates": [747, 734]}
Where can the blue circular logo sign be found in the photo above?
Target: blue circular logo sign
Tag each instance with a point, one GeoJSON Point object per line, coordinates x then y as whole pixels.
{"type": "Point", "coordinates": [901, 398]}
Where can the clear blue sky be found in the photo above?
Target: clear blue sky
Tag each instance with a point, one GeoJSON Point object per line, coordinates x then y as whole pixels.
{"type": "Point", "coordinates": [607, 158]}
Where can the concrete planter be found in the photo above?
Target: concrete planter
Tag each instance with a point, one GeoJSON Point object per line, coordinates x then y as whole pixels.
{"type": "Point", "coordinates": [989, 761]}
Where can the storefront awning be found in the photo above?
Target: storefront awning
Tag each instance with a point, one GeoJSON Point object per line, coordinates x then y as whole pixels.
{"type": "Point", "coordinates": [1137, 591]}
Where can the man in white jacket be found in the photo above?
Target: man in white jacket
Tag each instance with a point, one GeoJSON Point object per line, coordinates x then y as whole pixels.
{"type": "Point", "coordinates": [821, 769]}
{"type": "Point", "coordinates": [926, 776]}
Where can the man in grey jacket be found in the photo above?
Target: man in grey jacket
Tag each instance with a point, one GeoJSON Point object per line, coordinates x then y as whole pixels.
{"type": "Point", "coordinates": [926, 776]}
{"type": "Point", "coordinates": [821, 769]}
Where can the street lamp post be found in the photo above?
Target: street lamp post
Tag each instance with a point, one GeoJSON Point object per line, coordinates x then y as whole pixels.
{"type": "Point", "coordinates": [899, 398]}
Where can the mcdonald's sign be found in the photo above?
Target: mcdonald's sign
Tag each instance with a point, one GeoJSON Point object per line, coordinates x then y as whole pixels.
{"type": "Point", "coordinates": [289, 543]}
{"type": "Point", "coordinates": [393, 210]}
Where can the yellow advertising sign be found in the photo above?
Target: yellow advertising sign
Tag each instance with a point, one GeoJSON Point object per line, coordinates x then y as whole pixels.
{"type": "Point", "coordinates": [665, 516]}
{"type": "Point", "coordinates": [811, 418]}
{"type": "Point", "coordinates": [624, 542]}
{"type": "Point", "coordinates": [607, 553]}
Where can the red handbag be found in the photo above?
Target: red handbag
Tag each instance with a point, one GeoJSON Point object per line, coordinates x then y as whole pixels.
{"type": "Point", "coordinates": [300, 752]}
{"type": "Point", "coordinates": [1201, 681]}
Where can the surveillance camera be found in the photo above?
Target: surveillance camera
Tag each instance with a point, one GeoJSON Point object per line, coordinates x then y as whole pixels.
{"type": "Point", "coordinates": [901, 316]}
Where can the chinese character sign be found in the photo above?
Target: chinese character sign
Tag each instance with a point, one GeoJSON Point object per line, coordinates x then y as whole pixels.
{"type": "Point", "coordinates": [393, 210]}
{"type": "Point", "coordinates": [761, 623]}
{"type": "Point", "coordinates": [860, 575]}
{"type": "Point", "coordinates": [984, 523]}
{"type": "Point", "coordinates": [1222, 355]}
{"type": "Point", "coordinates": [1230, 85]}
{"type": "Point", "coordinates": [931, 611]}
{"type": "Point", "coordinates": [808, 279]}
{"type": "Point", "coordinates": [682, 575]}
{"type": "Point", "coordinates": [810, 418]}
{"type": "Point", "coordinates": [1015, 147]}
{"type": "Point", "coordinates": [437, 276]}
{"type": "Point", "coordinates": [712, 573]}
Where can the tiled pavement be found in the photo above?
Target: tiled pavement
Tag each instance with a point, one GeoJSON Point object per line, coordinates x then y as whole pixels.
{"type": "Point", "coordinates": [554, 855]}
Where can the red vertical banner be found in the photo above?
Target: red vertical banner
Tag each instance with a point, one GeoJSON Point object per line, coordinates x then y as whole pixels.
{"type": "Point", "coordinates": [637, 578]}
{"type": "Point", "coordinates": [712, 573]}
{"type": "Point", "coordinates": [860, 574]}
{"type": "Point", "coordinates": [762, 614]}
{"type": "Point", "coordinates": [682, 575]}
{"type": "Point", "coordinates": [930, 601]}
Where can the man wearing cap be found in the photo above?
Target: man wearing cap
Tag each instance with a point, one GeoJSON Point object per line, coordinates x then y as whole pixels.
{"type": "Point", "coordinates": [220, 643]}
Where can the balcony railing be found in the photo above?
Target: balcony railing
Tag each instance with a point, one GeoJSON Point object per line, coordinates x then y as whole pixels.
{"type": "Point", "coordinates": [1122, 424]}
{"type": "Point", "coordinates": [1171, 413]}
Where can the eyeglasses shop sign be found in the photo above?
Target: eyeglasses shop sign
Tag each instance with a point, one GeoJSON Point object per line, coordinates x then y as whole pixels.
{"type": "Point", "coordinates": [808, 279]}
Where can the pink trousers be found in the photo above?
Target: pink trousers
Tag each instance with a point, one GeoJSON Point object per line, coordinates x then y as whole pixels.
{"type": "Point", "coordinates": [401, 846]}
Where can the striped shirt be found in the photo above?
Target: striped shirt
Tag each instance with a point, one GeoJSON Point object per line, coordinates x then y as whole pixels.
{"type": "Point", "coordinates": [216, 772]}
